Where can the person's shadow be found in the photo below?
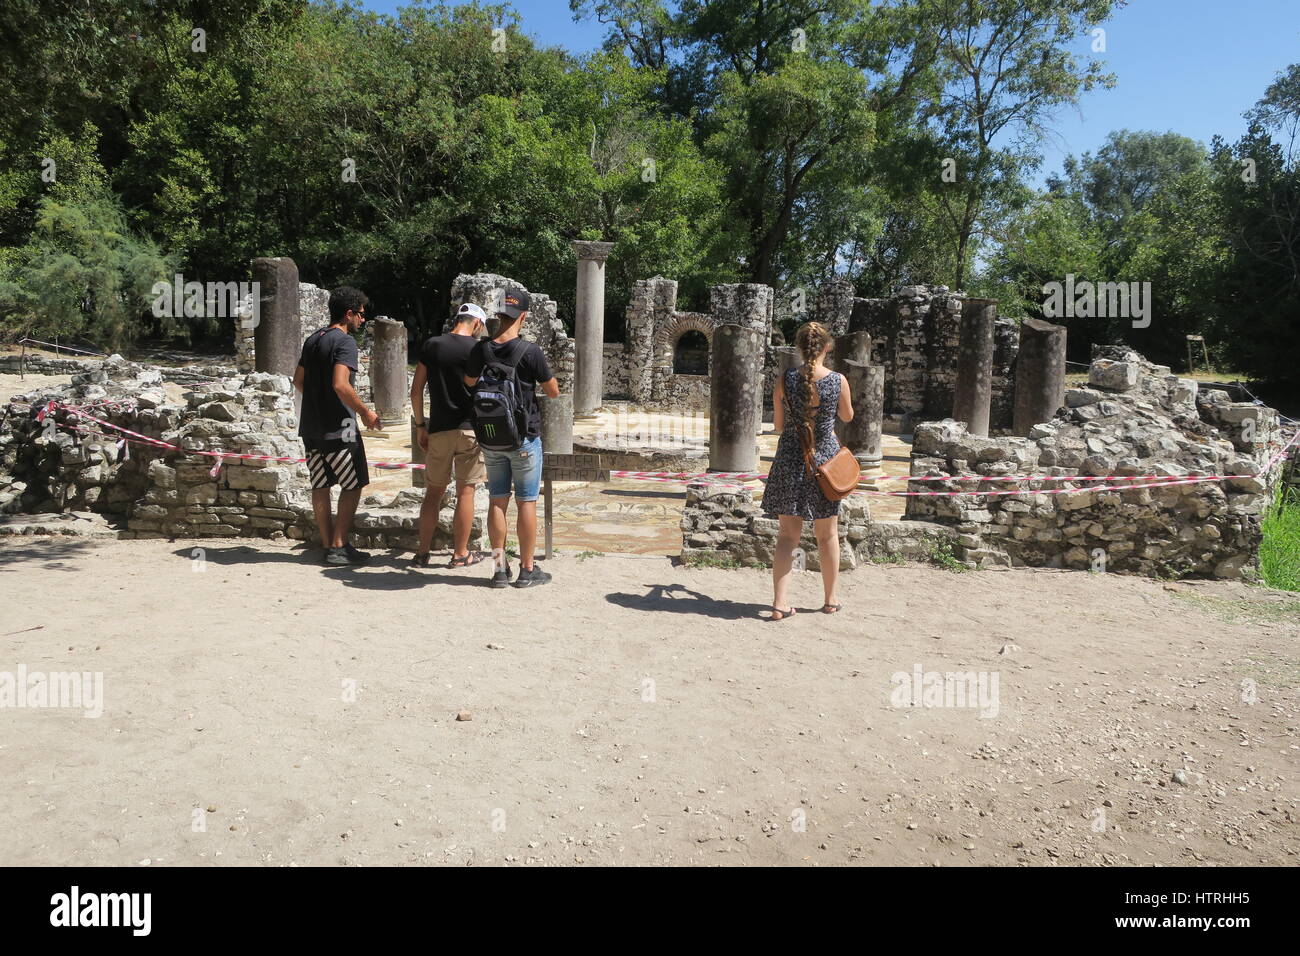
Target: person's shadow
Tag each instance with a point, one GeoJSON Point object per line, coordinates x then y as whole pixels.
{"type": "Point", "coordinates": [679, 599]}
{"type": "Point", "coordinates": [246, 554]}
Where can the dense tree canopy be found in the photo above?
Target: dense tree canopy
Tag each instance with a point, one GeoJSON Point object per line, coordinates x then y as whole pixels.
{"type": "Point", "coordinates": [779, 141]}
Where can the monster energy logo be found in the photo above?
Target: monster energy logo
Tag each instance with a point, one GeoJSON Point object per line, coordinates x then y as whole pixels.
{"type": "Point", "coordinates": [489, 429]}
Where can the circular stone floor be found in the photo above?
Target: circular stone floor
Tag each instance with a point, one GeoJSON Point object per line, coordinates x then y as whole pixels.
{"type": "Point", "coordinates": [628, 516]}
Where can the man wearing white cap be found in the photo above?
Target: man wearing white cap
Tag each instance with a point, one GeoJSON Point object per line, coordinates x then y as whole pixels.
{"type": "Point", "coordinates": [446, 435]}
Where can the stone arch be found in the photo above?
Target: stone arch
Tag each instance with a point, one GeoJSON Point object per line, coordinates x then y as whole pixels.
{"type": "Point", "coordinates": [691, 353]}
{"type": "Point", "coordinates": [681, 322]}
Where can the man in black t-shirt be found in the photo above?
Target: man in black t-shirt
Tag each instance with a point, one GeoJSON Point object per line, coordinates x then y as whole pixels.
{"type": "Point", "coordinates": [521, 468]}
{"type": "Point", "coordinates": [445, 434]}
{"type": "Point", "coordinates": [326, 376]}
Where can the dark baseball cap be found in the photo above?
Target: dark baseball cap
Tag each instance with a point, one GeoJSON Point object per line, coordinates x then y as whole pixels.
{"type": "Point", "coordinates": [514, 303]}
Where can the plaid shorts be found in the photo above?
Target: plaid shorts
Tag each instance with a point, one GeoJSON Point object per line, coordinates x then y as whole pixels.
{"type": "Point", "coordinates": [336, 462]}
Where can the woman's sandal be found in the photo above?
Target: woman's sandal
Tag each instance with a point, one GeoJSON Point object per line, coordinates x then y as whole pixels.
{"type": "Point", "coordinates": [468, 561]}
{"type": "Point", "coordinates": [832, 608]}
{"type": "Point", "coordinates": [784, 614]}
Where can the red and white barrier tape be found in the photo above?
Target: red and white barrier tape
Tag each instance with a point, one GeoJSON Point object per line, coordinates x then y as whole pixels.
{"type": "Point", "coordinates": [736, 477]}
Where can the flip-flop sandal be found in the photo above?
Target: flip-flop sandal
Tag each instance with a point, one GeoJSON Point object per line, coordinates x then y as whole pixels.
{"type": "Point", "coordinates": [468, 561]}
{"type": "Point", "coordinates": [785, 614]}
{"type": "Point", "coordinates": [832, 608]}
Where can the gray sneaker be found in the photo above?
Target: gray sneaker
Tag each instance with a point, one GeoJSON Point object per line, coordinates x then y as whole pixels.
{"type": "Point", "coordinates": [501, 577]}
{"type": "Point", "coordinates": [528, 579]}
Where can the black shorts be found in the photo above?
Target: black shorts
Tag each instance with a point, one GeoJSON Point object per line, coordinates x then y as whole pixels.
{"type": "Point", "coordinates": [333, 461]}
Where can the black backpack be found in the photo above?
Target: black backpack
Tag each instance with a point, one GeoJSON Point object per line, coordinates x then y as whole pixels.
{"type": "Point", "coordinates": [500, 419]}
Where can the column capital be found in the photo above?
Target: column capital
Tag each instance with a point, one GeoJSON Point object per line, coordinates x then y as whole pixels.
{"type": "Point", "coordinates": [587, 249]}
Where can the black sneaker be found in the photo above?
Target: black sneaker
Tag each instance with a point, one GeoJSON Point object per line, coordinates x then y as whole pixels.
{"type": "Point", "coordinates": [528, 579]}
{"type": "Point", "coordinates": [501, 577]}
{"type": "Point", "coordinates": [420, 560]}
{"type": "Point", "coordinates": [355, 556]}
{"type": "Point", "coordinates": [336, 556]}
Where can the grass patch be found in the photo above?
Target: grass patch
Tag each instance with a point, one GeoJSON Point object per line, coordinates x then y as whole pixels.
{"type": "Point", "coordinates": [1245, 612]}
{"type": "Point", "coordinates": [584, 555]}
{"type": "Point", "coordinates": [1279, 552]}
{"type": "Point", "coordinates": [888, 559]}
{"type": "Point", "coordinates": [942, 555]}
{"type": "Point", "coordinates": [713, 559]}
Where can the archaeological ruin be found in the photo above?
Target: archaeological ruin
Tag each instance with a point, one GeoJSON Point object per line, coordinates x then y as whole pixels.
{"type": "Point", "coordinates": [1007, 462]}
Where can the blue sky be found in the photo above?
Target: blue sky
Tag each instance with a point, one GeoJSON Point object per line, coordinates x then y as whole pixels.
{"type": "Point", "coordinates": [1190, 66]}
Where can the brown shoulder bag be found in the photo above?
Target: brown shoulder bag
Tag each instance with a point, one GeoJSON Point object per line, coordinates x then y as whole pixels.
{"type": "Point", "coordinates": [838, 476]}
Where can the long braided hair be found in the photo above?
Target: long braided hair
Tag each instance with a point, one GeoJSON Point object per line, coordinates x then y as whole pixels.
{"type": "Point", "coordinates": [810, 340]}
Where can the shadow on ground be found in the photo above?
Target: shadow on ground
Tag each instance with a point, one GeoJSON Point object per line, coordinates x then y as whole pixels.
{"type": "Point", "coordinates": [48, 549]}
{"type": "Point", "coordinates": [679, 599]}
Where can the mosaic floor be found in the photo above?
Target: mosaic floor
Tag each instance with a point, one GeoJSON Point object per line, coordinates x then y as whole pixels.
{"type": "Point", "coordinates": [626, 516]}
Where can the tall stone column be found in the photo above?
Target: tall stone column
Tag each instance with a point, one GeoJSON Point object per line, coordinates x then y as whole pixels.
{"type": "Point", "coordinates": [277, 339]}
{"type": "Point", "coordinates": [735, 398]}
{"type": "Point", "coordinates": [388, 383]}
{"type": "Point", "coordinates": [557, 424]}
{"type": "Point", "coordinates": [1040, 374]}
{"type": "Point", "coordinates": [862, 435]}
{"type": "Point", "coordinates": [589, 327]}
{"type": "Point", "coordinates": [973, 393]}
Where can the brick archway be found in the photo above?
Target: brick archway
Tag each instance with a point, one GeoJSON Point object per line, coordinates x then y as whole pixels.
{"type": "Point", "coordinates": [666, 336]}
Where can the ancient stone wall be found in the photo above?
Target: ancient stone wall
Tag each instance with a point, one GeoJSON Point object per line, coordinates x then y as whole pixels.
{"type": "Point", "coordinates": [74, 464]}
{"type": "Point", "coordinates": [724, 522]}
{"type": "Point", "coordinates": [1134, 419]}
{"type": "Point", "coordinates": [542, 326]}
{"type": "Point", "coordinates": [654, 326]}
{"type": "Point", "coordinates": [915, 334]}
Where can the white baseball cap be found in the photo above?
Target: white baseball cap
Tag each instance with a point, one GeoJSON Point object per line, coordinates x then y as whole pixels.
{"type": "Point", "coordinates": [471, 310]}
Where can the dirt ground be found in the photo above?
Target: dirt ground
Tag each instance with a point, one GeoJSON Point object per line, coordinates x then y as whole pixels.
{"type": "Point", "coordinates": [262, 709]}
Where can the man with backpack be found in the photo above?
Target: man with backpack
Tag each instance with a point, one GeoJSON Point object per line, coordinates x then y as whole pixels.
{"type": "Point", "coordinates": [504, 373]}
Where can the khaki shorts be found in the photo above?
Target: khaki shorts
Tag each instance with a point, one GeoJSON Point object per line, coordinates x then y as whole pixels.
{"type": "Point", "coordinates": [458, 448]}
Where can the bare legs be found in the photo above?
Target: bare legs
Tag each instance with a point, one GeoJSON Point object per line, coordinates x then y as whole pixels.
{"type": "Point", "coordinates": [828, 553]}
{"type": "Point", "coordinates": [461, 525]}
{"type": "Point", "coordinates": [787, 540]}
{"type": "Point", "coordinates": [333, 529]}
{"type": "Point", "coordinates": [526, 515]}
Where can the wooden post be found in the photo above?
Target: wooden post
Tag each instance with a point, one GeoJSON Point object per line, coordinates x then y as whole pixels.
{"type": "Point", "coordinates": [546, 500]}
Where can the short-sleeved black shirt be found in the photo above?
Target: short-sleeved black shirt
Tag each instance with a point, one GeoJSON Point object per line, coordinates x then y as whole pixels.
{"type": "Point", "coordinates": [443, 358]}
{"type": "Point", "coordinates": [530, 368]}
{"type": "Point", "coordinates": [324, 416]}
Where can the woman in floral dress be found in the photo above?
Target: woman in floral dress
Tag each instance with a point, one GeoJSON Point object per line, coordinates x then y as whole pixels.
{"type": "Point", "coordinates": [805, 402]}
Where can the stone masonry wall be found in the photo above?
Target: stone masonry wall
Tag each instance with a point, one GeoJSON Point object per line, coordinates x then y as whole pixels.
{"type": "Point", "coordinates": [915, 335]}
{"type": "Point", "coordinates": [1134, 419]}
{"type": "Point", "coordinates": [157, 492]}
{"type": "Point", "coordinates": [723, 522]}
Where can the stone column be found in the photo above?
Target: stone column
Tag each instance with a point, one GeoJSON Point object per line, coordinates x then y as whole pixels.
{"type": "Point", "coordinates": [973, 393]}
{"type": "Point", "coordinates": [735, 398]}
{"type": "Point", "coordinates": [862, 435]}
{"type": "Point", "coordinates": [589, 327]}
{"type": "Point", "coordinates": [1040, 375]}
{"type": "Point", "coordinates": [388, 382]}
{"type": "Point", "coordinates": [278, 335]}
{"type": "Point", "coordinates": [786, 358]}
{"type": "Point", "coordinates": [834, 307]}
{"type": "Point", "coordinates": [853, 347]}
{"type": "Point", "coordinates": [557, 424]}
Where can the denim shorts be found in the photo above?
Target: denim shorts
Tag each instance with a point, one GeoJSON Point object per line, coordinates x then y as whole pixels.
{"type": "Point", "coordinates": [521, 467]}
